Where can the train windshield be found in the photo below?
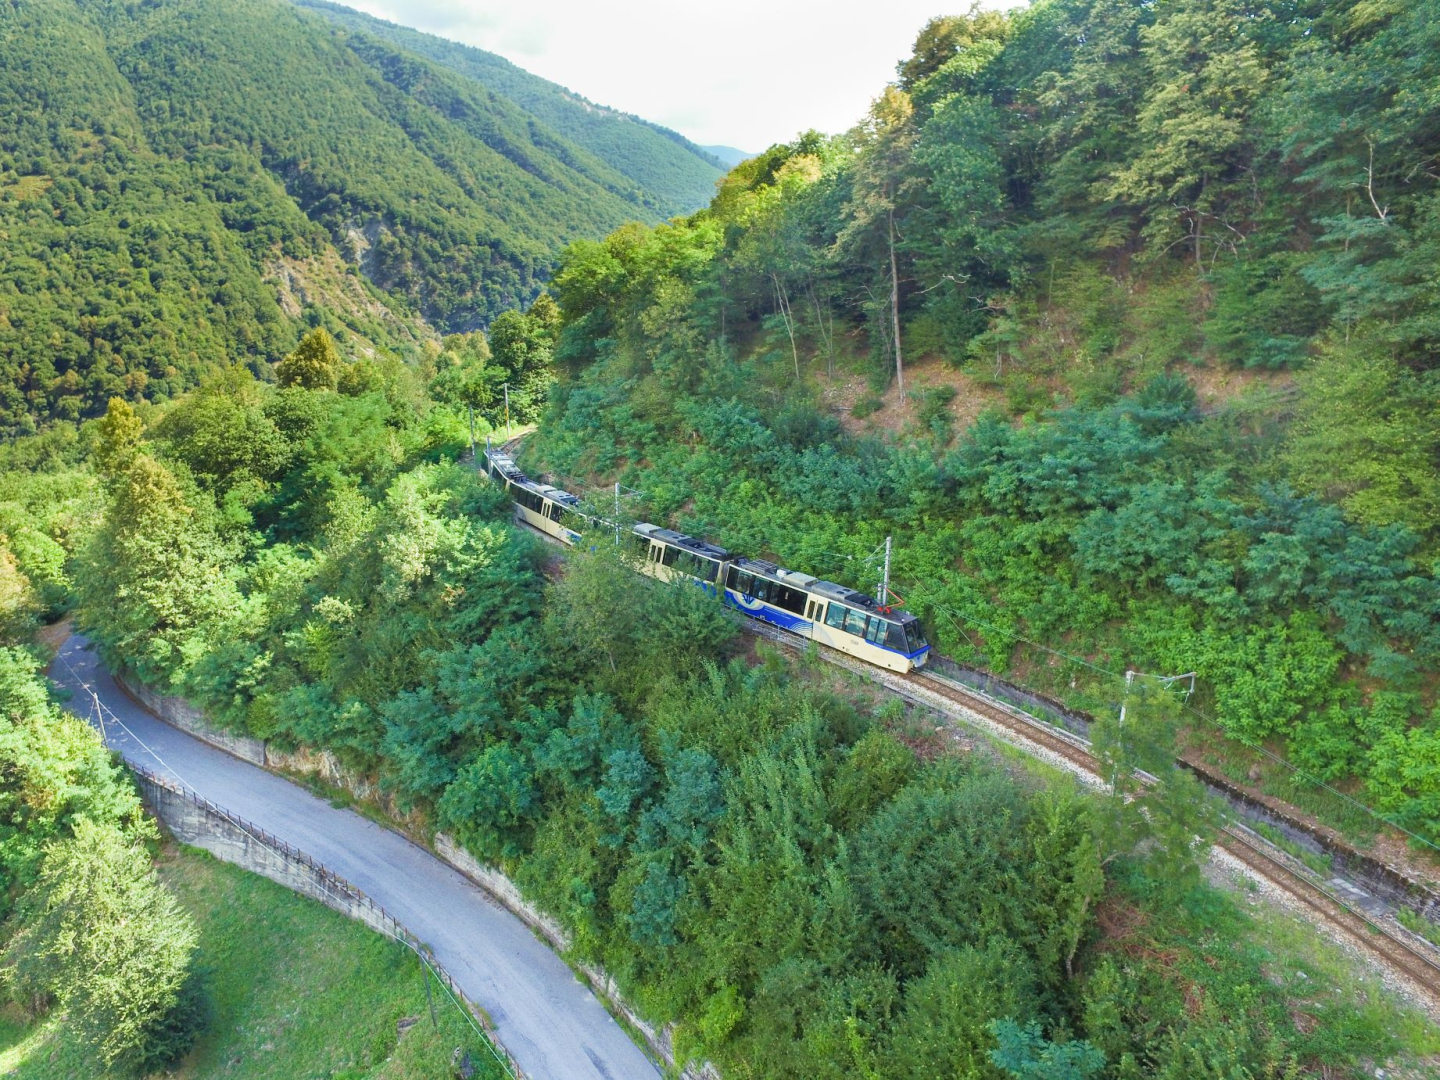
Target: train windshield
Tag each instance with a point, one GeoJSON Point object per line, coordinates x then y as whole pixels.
{"type": "Point", "coordinates": [914, 637]}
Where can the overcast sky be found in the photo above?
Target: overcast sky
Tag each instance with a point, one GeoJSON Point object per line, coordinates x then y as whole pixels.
{"type": "Point", "coordinates": [743, 73]}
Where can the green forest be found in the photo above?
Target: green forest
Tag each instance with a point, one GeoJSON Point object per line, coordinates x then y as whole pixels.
{"type": "Point", "coordinates": [191, 183]}
{"type": "Point", "coordinates": [988, 322]}
{"type": "Point", "coordinates": [1081, 210]}
{"type": "Point", "coordinates": [675, 175]}
{"type": "Point", "coordinates": [809, 881]}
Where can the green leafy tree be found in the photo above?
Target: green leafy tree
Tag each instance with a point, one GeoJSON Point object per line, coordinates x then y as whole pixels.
{"type": "Point", "coordinates": [1168, 811]}
{"type": "Point", "coordinates": [58, 773]}
{"type": "Point", "coordinates": [1204, 75]}
{"type": "Point", "coordinates": [224, 434]}
{"type": "Point", "coordinates": [523, 351]}
{"type": "Point", "coordinates": [20, 605]}
{"type": "Point", "coordinates": [546, 314]}
{"type": "Point", "coordinates": [117, 438]}
{"type": "Point", "coordinates": [944, 1029]}
{"type": "Point", "coordinates": [944, 37]}
{"type": "Point", "coordinates": [314, 365]}
{"type": "Point", "coordinates": [153, 577]}
{"type": "Point", "coordinates": [1368, 436]}
{"type": "Point", "coordinates": [465, 375]}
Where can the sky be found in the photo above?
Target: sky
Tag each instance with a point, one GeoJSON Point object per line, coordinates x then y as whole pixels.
{"type": "Point", "coordinates": [746, 73]}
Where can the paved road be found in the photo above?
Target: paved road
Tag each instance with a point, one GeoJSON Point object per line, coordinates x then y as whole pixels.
{"type": "Point", "coordinates": [547, 1019]}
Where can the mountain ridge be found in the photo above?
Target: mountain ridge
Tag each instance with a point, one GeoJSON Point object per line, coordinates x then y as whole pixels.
{"type": "Point", "coordinates": [611, 133]}
{"type": "Point", "coordinates": [730, 155]}
{"type": "Point", "coordinates": [169, 171]}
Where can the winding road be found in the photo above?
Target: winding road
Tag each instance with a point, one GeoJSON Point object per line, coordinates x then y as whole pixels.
{"type": "Point", "coordinates": [550, 1022]}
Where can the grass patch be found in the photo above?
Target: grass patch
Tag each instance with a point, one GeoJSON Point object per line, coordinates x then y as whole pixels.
{"type": "Point", "coordinates": [27, 187]}
{"type": "Point", "coordinates": [1288, 946]}
{"type": "Point", "coordinates": [1318, 862]}
{"type": "Point", "coordinates": [299, 993]}
{"type": "Point", "coordinates": [1418, 924]}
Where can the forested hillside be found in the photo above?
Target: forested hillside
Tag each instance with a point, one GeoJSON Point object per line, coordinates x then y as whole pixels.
{"type": "Point", "coordinates": [191, 183]}
{"type": "Point", "coordinates": [676, 175]}
{"type": "Point", "coordinates": [809, 881]}
{"type": "Point", "coordinates": [1070, 217]}
{"type": "Point", "coordinates": [1008, 320]}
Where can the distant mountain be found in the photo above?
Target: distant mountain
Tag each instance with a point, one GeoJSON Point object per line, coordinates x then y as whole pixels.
{"type": "Point", "coordinates": [727, 154]}
{"type": "Point", "coordinates": [185, 183]}
{"type": "Point", "coordinates": [679, 175]}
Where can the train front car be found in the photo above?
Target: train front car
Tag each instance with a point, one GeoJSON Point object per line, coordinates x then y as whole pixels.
{"type": "Point", "coordinates": [856, 624]}
{"type": "Point", "coordinates": [830, 614]}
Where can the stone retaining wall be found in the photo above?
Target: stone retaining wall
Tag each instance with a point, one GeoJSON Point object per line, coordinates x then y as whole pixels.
{"type": "Point", "coordinates": [181, 714]}
{"type": "Point", "coordinates": [200, 823]}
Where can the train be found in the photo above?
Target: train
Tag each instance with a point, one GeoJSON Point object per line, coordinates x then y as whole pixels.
{"type": "Point", "coordinates": [829, 614]}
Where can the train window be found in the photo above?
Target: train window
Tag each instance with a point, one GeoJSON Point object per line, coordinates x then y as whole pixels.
{"type": "Point", "coordinates": [875, 633]}
{"type": "Point", "coordinates": [855, 622]}
{"type": "Point", "coordinates": [697, 566]}
{"type": "Point", "coordinates": [835, 616]}
{"type": "Point", "coordinates": [895, 639]}
{"type": "Point", "coordinates": [792, 600]}
{"type": "Point", "coordinates": [669, 555]}
{"type": "Point", "coordinates": [739, 581]}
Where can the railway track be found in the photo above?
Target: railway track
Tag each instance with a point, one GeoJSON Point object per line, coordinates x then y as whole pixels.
{"type": "Point", "coordinates": [1406, 955]}
{"type": "Point", "coordinates": [1412, 960]}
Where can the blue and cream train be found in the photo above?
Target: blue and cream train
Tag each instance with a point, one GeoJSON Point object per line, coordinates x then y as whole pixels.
{"type": "Point", "coordinates": [822, 611]}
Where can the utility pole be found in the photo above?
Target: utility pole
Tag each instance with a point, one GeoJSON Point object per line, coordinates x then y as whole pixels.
{"type": "Point", "coordinates": [507, 411]}
{"type": "Point", "coordinates": [1129, 681]}
{"type": "Point", "coordinates": [617, 513]}
{"type": "Point", "coordinates": [883, 595]}
{"type": "Point", "coordinates": [1165, 680]}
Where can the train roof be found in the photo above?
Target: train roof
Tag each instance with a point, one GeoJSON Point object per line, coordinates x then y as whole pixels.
{"type": "Point", "coordinates": [680, 540]}
{"type": "Point", "coordinates": [513, 473]}
{"type": "Point", "coordinates": [860, 600]}
{"type": "Point", "coordinates": [559, 495]}
{"type": "Point", "coordinates": [776, 572]}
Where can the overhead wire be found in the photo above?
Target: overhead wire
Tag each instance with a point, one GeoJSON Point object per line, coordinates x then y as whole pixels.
{"type": "Point", "coordinates": [1081, 661]}
{"type": "Point", "coordinates": [1279, 759]}
{"type": "Point", "coordinates": [100, 708]}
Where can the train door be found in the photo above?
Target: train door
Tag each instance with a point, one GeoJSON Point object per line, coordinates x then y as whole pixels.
{"type": "Point", "coordinates": [814, 612]}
